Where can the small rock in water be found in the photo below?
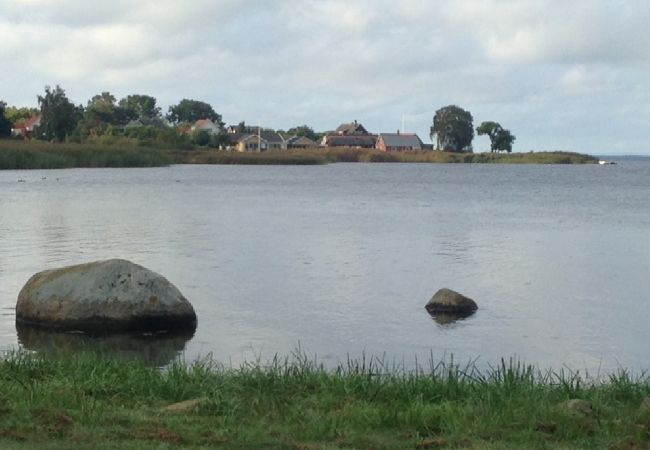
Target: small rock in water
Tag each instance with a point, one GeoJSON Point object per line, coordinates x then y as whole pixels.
{"type": "Point", "coordinates": [104, 296]}
{"type": "Point", "coordinates": [446, 301]}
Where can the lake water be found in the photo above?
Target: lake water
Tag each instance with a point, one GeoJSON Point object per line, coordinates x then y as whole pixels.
{"type": "Point", "coordinates": [341, 259]}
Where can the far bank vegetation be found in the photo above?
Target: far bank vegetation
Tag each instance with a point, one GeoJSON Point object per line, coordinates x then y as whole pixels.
{"type": "Point", "coordinates": [133, 132]}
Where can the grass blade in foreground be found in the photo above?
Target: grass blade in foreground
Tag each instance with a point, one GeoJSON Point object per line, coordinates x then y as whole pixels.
{"type": "Point", "coordinates": [91, 401]}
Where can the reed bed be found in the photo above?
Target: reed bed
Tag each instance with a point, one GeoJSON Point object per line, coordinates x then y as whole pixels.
{"type": "Point", "coordinates": [19, 155]}
{"type": "Point", "coordinates": [353, 155]}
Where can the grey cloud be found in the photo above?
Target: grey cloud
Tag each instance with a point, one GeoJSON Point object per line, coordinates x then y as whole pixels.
{"type": "Point", "coordinates": [321, 62]}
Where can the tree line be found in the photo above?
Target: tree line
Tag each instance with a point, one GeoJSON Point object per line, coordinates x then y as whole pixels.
{"type": "Point", "coordinates": [134, 116]}
{"type": "Point", "coordinates": [139, 117]}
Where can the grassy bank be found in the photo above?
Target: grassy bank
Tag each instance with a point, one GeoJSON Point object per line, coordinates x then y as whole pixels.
{"type": "Point", "coordinates": [351, 155]}
{"type": "Point", "coordinates": [501, 158]}
{"type": "Point", "coordinates": [43, 155]}
{"type": "Point", "coordinates": [85, 401]}
{"type": "Point", "coordinates": [17, 155]}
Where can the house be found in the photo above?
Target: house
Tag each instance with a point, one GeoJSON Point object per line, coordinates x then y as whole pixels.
{"type": "Point", "coordinates": [252, 143]}
{"type": "Point", "coordinates": [352, 129]}
{"type": "Point", "coordinates": [398, 142]}
{"type": "Point", "coordinates": [350, 135]}
{"type": "Point", "coordinates": [25, 129]}
{"type": "Point", "coordinates": [261, 141]}
{"type": "Point", "coordinates": [334, 140]}
{"type": "Point", "coordinates": [206, 125]}
{"type": "Point", "coordinates": [241, 128]}
{"type": "Point", "coordinates": [300, 142]}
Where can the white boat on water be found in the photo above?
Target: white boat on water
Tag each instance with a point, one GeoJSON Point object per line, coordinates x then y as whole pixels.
{"type": "Point", "coordinates": [602, 162]}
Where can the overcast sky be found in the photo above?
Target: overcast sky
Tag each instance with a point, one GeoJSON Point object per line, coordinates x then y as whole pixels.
{"type": "Point", "coordinates": [560, 74]}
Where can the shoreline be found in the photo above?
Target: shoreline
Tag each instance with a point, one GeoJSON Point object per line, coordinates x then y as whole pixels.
{"type": "Point", "coordinates": [18, 155]}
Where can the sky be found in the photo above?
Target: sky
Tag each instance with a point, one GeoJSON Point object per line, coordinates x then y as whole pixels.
{"type": "Point", "coordinates": [561, 75]}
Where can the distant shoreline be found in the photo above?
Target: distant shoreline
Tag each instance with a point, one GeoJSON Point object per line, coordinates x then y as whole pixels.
{"type": "Point", "coordinates": [17, 155]}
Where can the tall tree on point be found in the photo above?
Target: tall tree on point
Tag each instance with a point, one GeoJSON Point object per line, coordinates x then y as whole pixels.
{"type": "Point", "coordinates": [453, 129]}
{"type": "Point", "coordinates": [500, 138]}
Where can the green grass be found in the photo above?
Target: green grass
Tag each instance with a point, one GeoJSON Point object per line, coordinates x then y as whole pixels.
{"type": "Point", "coordinates": [86, 400]}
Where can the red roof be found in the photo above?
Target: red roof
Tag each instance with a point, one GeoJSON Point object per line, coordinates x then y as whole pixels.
{"type": "Point", "coordinates": [32, 121]}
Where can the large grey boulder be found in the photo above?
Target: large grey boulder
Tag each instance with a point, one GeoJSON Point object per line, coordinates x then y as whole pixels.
{"type": "Point", "coordinates": [104, 296]}
{"type": "Point", "coordinates": [446, 301]}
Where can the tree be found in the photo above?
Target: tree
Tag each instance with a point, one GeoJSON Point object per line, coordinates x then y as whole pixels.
{"type": "Point", "coordinates": [59, 116]}
{"type": "Point", "coordinates": [140, 107]}
{"type": "Point", "coordinates": [303, 131]}
{"type": "Point", "coordinates": [101, 113]}
{"type": "Point", "coordinates": [14, 114]}
{"type": "Point", "coordinates": [5, 124]}
{"type": "Point", "coordinates": [201, 138]}
{"type": "Point", "coordinates": [453, 128]}
{"type": "Point", "coordinates": [191, 111]}
{"type": "Point", "coordinates": [500, 138]}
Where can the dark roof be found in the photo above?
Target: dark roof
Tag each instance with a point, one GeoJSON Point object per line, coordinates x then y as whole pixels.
{"type": "Point", "coordinates": [398, 140]}
{"type": "Point", "coordinates": [272, 137]}
{"type": "Point", "coordinates": [269, 136]}
{"type": "Point", "coordinates": [301, 140]}
{"type": "Point", "coordinates": [336, 140]}
{"type": "Point", "coordinates": [353, 128]}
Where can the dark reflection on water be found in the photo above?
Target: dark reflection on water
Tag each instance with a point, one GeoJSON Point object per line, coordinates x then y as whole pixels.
{"type": "Point", "coordinates": [449, 318]}
{"type": "Point", "coordinates": [153, 349]}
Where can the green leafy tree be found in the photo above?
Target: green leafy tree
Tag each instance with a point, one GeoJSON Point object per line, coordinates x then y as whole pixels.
{"type": "Point", "coordinates": [500, 138]}
{"type": "Point", "coordinates": [201, 138]}
{"type": "Point", "coordinates": [5, 124]}
{"type": "Point", "coordinates": [140, 107]}
{"type": "Point", "coordinates": [59, 116]}
{"type": "Point", "coordinates": [100, 116]}
{"type": "Point", "coordinates": [453, 129]}
{"type": "Point", "coordinates": [191, 111]}
{"type": "Point", "coordinates": [304, 131]}
{"type": "Point", "coordinates": [17, 115]}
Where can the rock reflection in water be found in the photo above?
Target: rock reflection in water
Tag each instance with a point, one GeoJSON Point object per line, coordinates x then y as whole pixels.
{"type": "Point", "coordinates": [153, 349]}
{"type": "Point", "coordinates": [449, 318]}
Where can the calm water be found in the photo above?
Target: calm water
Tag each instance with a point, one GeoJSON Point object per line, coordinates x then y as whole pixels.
{"type": "Point", "coordinates": [341, 259]}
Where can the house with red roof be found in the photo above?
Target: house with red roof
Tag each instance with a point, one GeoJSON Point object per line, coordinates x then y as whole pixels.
{"type": "Point", "coordinates": [206, 125]}
{"type": "Point", "coordinates": [398, 142]}
{"type": "Point", "coordinates": [350, 135]}
{"type": "Point", "coordinates": [25, 128]}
